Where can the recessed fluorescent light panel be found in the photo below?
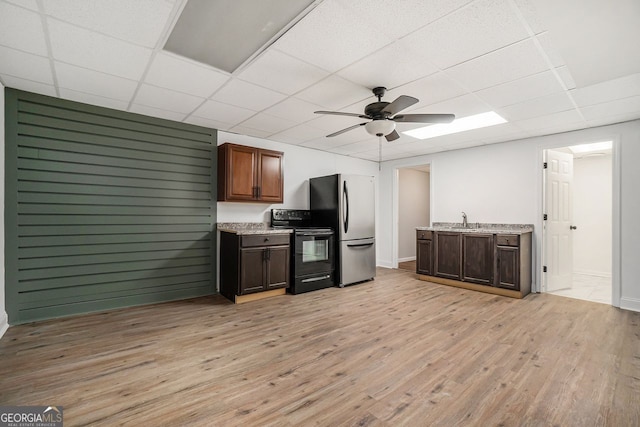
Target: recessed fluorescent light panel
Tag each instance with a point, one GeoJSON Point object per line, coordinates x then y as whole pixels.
{"type": "Point", "coordinates": [458, 125]}
{"type": "Point", "coordinates": [229, 33]}
{"type": "Point", "coordinates": [590, 148]}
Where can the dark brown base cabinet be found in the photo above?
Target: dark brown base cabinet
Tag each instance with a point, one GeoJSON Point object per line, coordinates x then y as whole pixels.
{"type": "Point", "coordinates": [477, 255]}
{"type": "Point", "coordinates": [253, 263]}
{"type": "Point", "coordinates": [494, 260]}
{"type": "Point", "coordinates": [448, 255]}
{"type": "Point", "coordinates": [424, 252]}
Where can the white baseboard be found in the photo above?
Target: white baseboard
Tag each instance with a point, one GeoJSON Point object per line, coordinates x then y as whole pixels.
{"type": "Point", "coordinates": [385, 264]}
{"type": "Point", "coordinates": [593, 273]}
{"type": "Point", "coordinates": [4, 323]}
{"type": "Point", "coordinates": [409, 258]}
{"type": "Point", "coordinates": [632, 304]}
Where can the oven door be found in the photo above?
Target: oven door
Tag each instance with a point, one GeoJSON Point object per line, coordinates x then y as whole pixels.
{"type": "Point", "coordinates": [313, 252]}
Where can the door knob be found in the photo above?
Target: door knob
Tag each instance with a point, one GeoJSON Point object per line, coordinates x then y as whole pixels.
{"type": "Point", "coordinates": [573, 227]}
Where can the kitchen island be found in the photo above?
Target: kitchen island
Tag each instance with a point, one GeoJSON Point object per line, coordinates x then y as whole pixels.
{"type": "Point", "coordinates": [492, 258]}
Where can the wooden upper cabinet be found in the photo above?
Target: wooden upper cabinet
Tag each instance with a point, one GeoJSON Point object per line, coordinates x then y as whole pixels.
{"type": "Point", "coordinates": [249, 174]}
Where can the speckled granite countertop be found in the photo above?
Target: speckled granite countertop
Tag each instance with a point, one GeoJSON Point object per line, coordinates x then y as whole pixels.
{"type": "Point", "coordinates": [480, 228]}
{"type": "Point", "coordinates": [250, 228]}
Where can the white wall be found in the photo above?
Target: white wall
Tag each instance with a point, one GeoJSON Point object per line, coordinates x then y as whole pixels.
{"type": "Point", "coordinates": [300, 164]}
{"type": "Point", "coordinates": [592, 183]}
{"type": "Point", "coordinates": [3, 312]}
{"type": "Point", "coordinates": [501, 183]}
{"type": "Point", "coordinates": [413, 209]}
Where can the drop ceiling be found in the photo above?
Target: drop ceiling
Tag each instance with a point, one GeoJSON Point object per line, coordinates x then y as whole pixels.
{"type": "Point", "coordinates": [546, 67]}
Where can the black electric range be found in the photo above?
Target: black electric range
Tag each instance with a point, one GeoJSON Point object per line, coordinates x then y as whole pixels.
{"type": "Point", "coordinates": [312, 257]}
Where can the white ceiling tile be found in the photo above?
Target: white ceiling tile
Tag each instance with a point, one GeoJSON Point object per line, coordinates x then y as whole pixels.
{"type": "Point", "coordinates": [565, 76]}
{"type": "Point", "coordinates": [531, 15]}
{"type": "Point", "coordinates": [243, 130]}
{"type": "Point", "coordinates": [331, 37]}
{"type": "Point", "coordinates": [95, 83]}
{"type": "Point", "coordinates": [629, 105]}
{"type": "Point", "coordinates": [28, 85]}
{"type": "Point", "coordinates": [294, 109]}
{"type": "Point", "coordinates": [87, 98]}
{"type": "Point", "coordinates": [267, 123]}
{"type": "Point", "coordinates": [156, 112]}
{"type": "Point", "coordinates": [595, 38]}
{"type": "Point", "coordinates": [429, 90]}
{"type": "Point", "coordinates": [552, 53]}
{"type": "Point", "coordinates": [462, 106]}
{"type": "Point", "coordinates": [28, 4]}
{"type": "Point", "coordinates": [333, 93]}
{"type": "Point", "coordinates": [536, 107]}
{"type": "Point", "coordinates": [394, 65]}
{"type": "Point", "coordinates": [165, 99]}
{"type": "Point", "coordinates": [455, 38]}
{"type": "Point", "coordinates": [298, 134]}
{"type": "Point", "coordinates": [97, 52]}
{"type": "Point", "coordinates": [332, 124]}
{"type": "Point", "coordinates": [399, 18]}
{"type": "Point", "coordinates": [141, 21]}
{"type": "Point", "coordinates": [25, 65]}
{"type": "Point", "coordinates": [551, 121]}
{"type": "Point", "coordinates": [22, 29]}
{"type": "Point", "coordinates": [602, 121]}
{"type": "Point", "coordinates": [623, 87]}
{"type": "Point", "coordinates": [510, 63]}
{"type": "Point", "coordinates": [224, 113]}
{"type": "Point", "coordinates": [529, 87]}
{"type": "Point", "coordinates": [247, 95]}
{"type": "Point", "coordinates": [182, 75]}
{"type": "Point", "coordinates": [358, 147]}
{"type": "Point", "coordinates": [464, 144]}
{"type": "Point", "coordinates": [281, 72]}
{"type": "Point", "coordinates": [208, 123]}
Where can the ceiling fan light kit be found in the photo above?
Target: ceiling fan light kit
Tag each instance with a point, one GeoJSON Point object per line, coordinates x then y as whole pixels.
{"type": "Point", "coordinates": [384, 115]}
{"type": "Point", "coordinates": [380, 127]}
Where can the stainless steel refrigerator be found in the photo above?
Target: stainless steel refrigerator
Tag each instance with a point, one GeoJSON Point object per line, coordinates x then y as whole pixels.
{"type": "Point", "coordinates": [346, 203]}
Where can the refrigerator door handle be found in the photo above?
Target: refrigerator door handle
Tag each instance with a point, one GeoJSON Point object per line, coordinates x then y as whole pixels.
{"type": "Point", "coordinates": [345, 206]}
{"type": "Point", "coordinates": [359, 245]}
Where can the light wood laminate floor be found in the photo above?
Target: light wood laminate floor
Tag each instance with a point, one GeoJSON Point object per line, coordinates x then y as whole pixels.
{"type": "Point", "coordinates": [394, 351]}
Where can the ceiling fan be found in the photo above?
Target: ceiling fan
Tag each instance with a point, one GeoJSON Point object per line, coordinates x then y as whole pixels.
{"type": "Point", "coordinates": [384, 115]}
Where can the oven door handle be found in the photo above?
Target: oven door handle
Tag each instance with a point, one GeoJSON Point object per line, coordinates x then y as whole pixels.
{"type": "Point", "coordinates": [328, 233]}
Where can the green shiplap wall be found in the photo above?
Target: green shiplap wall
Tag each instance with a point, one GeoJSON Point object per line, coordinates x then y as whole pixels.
{"type": "Point", "coordinates": [104, 208]}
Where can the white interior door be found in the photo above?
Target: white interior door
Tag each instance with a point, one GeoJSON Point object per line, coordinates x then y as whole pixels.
{"type": "Point", "coordinates": [559, 209]}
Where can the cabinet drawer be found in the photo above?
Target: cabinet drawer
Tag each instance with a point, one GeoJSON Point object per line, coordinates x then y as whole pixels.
{"type": "Point", "coordinates": [507, 239]}
{"type": "Point", "coordinates": [425, 235]}
{"type": "Point", "coordinates": [253, 240]}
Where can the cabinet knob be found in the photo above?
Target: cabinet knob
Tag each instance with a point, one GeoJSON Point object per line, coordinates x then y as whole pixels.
{"type": "Point", "coordinates": [573, 227]}
{"type": "Point", "coordinates": [266, 239]}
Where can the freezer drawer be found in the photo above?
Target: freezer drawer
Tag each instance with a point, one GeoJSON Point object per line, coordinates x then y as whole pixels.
{"type": "Point", "coordinates": [357, 260]}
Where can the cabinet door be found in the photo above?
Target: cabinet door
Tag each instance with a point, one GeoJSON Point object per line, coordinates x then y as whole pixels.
{"type": "Point", "coordinates": [270, 179]}
{"type": "Point", "coordinates": [508, 267]}
{"type": "Point", "coordinates": [241, 174]}
{"type": "Point", "coordinates": [424, 258]}
{"type": "Point", "coordinates": [447, 255]}
{"type": "Point", "coordinates": [477, 258]}
{"type": "Point", "coordinates": [252, 270]}
{"type": "Point", "coordinates": [277, 267]}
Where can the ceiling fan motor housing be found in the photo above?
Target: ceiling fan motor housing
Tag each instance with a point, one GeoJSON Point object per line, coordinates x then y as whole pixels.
{"type": "Point", "coordinates": [374, 110]}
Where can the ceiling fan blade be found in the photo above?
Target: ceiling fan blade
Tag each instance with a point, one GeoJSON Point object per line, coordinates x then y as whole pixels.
{"type": "Point", "coordinates": [401, 102]}
{"type": "Point", "coordinates": [339, 113]}
{"type": "Point", "coordinates": [392, 136]}
{"type": "Point", "coordinates": [346, 130]}
{"type": "Point", "coordinates": [424, 118]}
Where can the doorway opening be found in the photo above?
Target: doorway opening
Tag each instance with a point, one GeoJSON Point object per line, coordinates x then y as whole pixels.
{"type": "Point", "coordinates": [414, 210]}
{"type": "Point", "coordinates": [578, 229]}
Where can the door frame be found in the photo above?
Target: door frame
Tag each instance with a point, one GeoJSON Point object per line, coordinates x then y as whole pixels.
{"type": "Point", "coordinates": [396, 206]}
{"type": "Point", "coordinates": [616, 266]}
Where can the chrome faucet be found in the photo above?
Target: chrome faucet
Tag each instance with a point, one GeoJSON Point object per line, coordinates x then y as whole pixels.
{"type": "Point", "coordinates": [464, 220]}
